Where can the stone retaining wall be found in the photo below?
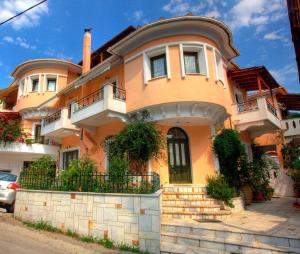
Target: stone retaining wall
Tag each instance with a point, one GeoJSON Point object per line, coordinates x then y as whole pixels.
{"type": "Point", "coordinates": [239, 205]}
{"type": "Point", "coordinates": [133, 219]}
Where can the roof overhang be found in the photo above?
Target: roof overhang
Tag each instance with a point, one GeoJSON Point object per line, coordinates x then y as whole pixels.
{"type": "Point", "coordinates": [7, 91]}
{"type": "Point", "coordinates": [290, 101]}
{"type": "Point", "coordinates": [195, 25]}
{"type": "Point", "coordinates": [247, 78]}
{"type": "Point", "coordinates": [45, 63]}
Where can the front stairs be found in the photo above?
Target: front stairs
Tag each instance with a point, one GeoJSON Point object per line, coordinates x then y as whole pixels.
{"type": "Point", "coordinates": [191, 202]}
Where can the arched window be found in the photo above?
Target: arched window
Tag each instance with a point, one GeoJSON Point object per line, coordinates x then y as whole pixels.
{"type": "Point", "coordinates": [294, 124]}
{"type": "Point", "coordinates": [287, 125]}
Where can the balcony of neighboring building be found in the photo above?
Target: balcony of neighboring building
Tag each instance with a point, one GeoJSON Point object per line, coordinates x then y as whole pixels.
{"type": "Point", "coordinates": [99, 107]}
{"type": "Point", "coordinates": [291, 127]}
{"type": "Point", "coordinates": [58, 125]}
{"type": "Point", "coordinates": [256, 112]}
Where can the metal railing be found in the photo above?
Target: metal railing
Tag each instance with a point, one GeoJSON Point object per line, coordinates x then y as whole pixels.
{"type": "Point", "coordinates": [52, 118]}
{"type": "Point", "coordinates": [119, 94]}
{"type": "Point", "coordinates": [272, 109]}
{"type": "Point", "coordinates": [247, 106]}
{"type": "Point", "coordinates": [89, 100]}
{"type": "Point", "coordinates": [92, 182]}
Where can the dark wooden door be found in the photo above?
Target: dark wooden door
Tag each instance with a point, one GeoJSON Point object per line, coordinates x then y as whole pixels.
{"type": "Point", "coordinates": [179, 156]}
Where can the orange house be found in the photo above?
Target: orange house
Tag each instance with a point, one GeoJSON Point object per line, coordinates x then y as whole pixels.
{"type": "Point", "coordinates": [181, 71]}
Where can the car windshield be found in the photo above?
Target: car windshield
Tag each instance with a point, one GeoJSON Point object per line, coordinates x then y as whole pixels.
{"type": "Point", "coordinates": [7, 177]}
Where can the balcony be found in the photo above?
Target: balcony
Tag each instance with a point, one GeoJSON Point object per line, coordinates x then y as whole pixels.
{"type": "Point", "coordinates": [99, 107]}
{"type": "Point", "coordinates": [291, 127]}
{"type": "Point", "coordinates": [257, 116]}
{"type": "Point", "coordinates": [58, 125]}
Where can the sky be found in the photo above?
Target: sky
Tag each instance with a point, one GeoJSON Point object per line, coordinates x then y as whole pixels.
{"type": "Point", "coordinates": [260, 28]}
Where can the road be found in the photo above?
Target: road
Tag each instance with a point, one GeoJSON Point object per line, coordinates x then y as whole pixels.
{"type": "Point", "coordinates": [15, 238]}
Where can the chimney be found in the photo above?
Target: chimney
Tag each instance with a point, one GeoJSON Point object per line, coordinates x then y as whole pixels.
{"type": "Point", "coordinates": [86, 52]}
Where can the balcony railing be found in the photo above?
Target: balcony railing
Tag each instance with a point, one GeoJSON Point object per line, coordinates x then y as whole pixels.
{"type": "Point", "coordinates": [52, 118]}
{"type": "Point", "coordinates": [247, 106]}
{"type": "Point", "coordinates": [89, 100]}
{"type": "Point", "coordinates": [272, 109]}
{"type": "Point", "coordinates": [119, 94]}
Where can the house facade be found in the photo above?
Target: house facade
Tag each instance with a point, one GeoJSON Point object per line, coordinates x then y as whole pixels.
{"type": "Point", "coordinates": [180, 70]}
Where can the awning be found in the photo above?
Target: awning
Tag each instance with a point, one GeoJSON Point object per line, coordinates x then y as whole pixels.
{"type": "Point", "coordinates": [251, 78]}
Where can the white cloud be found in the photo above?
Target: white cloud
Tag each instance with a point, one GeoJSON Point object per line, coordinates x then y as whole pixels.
{"type": "Point", "coordinates": [287, 73]}
{"type": "Point", "coordinates": [8, 39]}
{"type": "Point", "coordinates": [138, 15]}
{"type": "Point", "coordinates": [276, 35]}
{"type": "Point", "coordinates": [255, 13]}
{"type": "Point", "coordinates": [213, 13]}
{"type": "Point", "coordinates": [9, 8]}
{"type": "Point", "coordinates": [22, 42]}
{"type": "Point", "coordinates": [52, 53]}
{"type": "Point", "coordinates": [182, 7]}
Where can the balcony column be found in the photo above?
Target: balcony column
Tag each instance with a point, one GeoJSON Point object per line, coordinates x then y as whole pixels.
{"type": "Point", "coordinates": [216, 160]}
{"type": "Point", "coordinates": [259, 85]}
{"type": "Point", "coordinates": [107, 95]}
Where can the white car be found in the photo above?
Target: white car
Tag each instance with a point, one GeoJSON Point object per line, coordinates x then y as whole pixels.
{"type": "Point", "coordinates": [8, 186]}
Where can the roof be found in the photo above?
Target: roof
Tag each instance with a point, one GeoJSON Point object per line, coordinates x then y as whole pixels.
{"type": "Point", "coordinates": [290, 101]}
{"type": "Point", "coordinates": [247, 78]}
{"type": "Point", "coordinates": [101, 53]}
{"type": "Point", "coordinates": [45, 62]}
{"type": "Point", "coordinates": [6, 91]}
{"type": "Point", "coordinates": [206, 26]}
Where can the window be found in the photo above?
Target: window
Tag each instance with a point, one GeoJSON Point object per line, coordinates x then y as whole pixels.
{"type": "Point", "coordinates": [51, 85]}
{"type": "Point", "coordinates": [69, 156]}
{"type": "Point", "coordinates": [35, 85]}
{"type": "Point", "coordinates": [191, 62]}
{"type": "Point", "coordinates": [37, 135]}
{"type": "Point", "coordinates": [219, 66]}
{"type": "Point", "coordinates": [158, 66]}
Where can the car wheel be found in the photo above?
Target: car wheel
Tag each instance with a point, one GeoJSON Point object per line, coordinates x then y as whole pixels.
{"type": "Point", "coordinates": [10, 208]}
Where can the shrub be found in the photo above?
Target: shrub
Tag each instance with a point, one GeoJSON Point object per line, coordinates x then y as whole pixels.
{"type": "Point", "coordinates": [140, 141]}
{"type": "Point", "coordinates": [78, 174]}
{"type": "Point", "coordinates": [218, 188]}
{"type": "Point", "coordinates": [231, 153]}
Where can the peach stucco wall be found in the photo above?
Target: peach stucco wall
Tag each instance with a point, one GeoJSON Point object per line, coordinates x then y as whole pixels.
{"type": "Point", "coordinates": [164, 90]}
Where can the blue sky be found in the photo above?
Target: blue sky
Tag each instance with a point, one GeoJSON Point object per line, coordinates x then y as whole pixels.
{"type": "Point", "coordinates": [54, 30]}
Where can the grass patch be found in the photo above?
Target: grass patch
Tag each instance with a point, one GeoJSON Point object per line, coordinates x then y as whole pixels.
{"type": "Point", "coordinates": [107, 243]}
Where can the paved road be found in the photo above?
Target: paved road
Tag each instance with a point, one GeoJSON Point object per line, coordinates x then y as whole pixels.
{"type": "Point", "coordinates": [15, 238]}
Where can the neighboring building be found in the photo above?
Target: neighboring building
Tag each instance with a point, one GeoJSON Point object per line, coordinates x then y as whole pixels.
{"type": "Point", "coordinates": [34, 82]}
{"type": "Point", "coordinates": [181, 71]}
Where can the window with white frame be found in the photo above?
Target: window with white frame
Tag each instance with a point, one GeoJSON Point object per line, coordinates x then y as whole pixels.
{"type": "Point", "coordinates": [156, 63]}
{"type": "Point", "coordinates": [34, 84]}
{"type": "Point", "coordinates": [194, 59]}
{"type": "Point", "coordinates": [219, 66]}
{"type": "Point", "coordinates": [51, 84]}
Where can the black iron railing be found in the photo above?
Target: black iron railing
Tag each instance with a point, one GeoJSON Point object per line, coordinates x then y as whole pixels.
{"type": "Point", "coordinates": [52, 118]}
{"type": "Point", "coordinates": [119, 93]}
{"type": "Point", "coordinates": [272, 109]}
{"type": "Point", "coordinates": [92, 182]}
{"type": "Point", "coordinates": [89, 100]}
{"type": "Point", "coordinates": [247, 106]}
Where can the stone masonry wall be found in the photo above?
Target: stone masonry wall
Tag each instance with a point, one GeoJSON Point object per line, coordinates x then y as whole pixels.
{"type": "Point", "coordinates": [133, 219]}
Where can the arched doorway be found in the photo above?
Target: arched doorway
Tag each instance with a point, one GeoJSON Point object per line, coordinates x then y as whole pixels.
{"type": "Point", "coordinates": [179, 156]}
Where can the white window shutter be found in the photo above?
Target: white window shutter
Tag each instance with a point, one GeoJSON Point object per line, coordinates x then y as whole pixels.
{"type": "Point", "coordinates": [182, 61]}
{"type": "Point", "coordinates": [147, 70]}
{"type": "Point", "coordinates": [202, 61]}
{"type": "Point", "coordinates": [168, 62]}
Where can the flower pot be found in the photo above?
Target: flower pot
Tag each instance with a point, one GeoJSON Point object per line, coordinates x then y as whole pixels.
{"type": "Point", "coordinates": [259, 196]}
{"type": "Point", "coordinates": [248, 193]}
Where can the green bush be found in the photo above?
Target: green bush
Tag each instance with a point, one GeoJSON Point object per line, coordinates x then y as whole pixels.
{"type": "Point", "coordinates": [231, 154]}
{"type": "Point", "coordinates": [78, 175]}
{"type": "Point", "coordinates": [218, 188]}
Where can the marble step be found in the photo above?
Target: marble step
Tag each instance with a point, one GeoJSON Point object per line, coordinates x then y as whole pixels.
{"type": "Point", "coordinates": [202, 216]}
{"type": "Point", "coordinates": [170, 248]}
{"type": "Point", "coordinates": [185, 188]}
{"type": "Point", "coordinates": [191, 208]}
{"type": "Point", "coordinates": [190, 202]}
{"type": "Point", "coordinates": [185, 195]}
{"type": "Point", "coordinates": [225, 246]}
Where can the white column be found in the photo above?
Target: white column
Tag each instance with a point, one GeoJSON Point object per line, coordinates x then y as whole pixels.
{"type": "Point", "coordinates": [216, 160]}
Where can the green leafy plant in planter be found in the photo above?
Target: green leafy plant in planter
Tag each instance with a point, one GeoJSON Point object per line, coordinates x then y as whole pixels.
{"type": "Point", "coordinates": [231, 153]}
{"type": "Point", "coordinates": [218, 188]}
{"type": "Point", "coordinates": [139, 141]}
{"type": "Point", "coordinates": [295, 175]}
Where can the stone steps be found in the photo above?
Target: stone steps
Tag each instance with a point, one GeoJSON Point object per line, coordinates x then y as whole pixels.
{"type": "Point", "coordinates": [185, 195]}
{"type": "Point", "coordinates": [185, 188]}
{"type": "Point", "coordinates": [190, 201]}
{"type": "Point", "coordinates": [223, 241]}
{"type": "Point", "coordinates": [170, 248]}
{"type": "Point", "coordinates": [211, 216]}
{"type": "Point", "coordinates": [225, 246]}
{"type": "Point", "coordinates": [191, 208]}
